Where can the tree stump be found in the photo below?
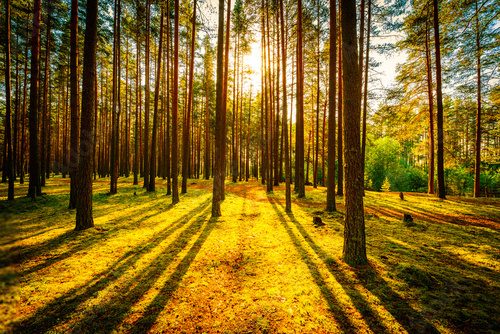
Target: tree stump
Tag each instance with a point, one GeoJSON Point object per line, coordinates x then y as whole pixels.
{"type": "Point", "coordinates": [318, 222]}
{"type": "Point", "coordinates": [408, 220]}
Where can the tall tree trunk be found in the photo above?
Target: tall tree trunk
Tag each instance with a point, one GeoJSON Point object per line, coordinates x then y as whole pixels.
{"type": "Point", "coordinates": [477, 162]}
{"type": "Point", "coordinates": [330, 183]}
{"type": "Point", "coordinates": [365, 90]}
{"type": "Point", "coordinates": [430, 183]}
{"type": "Point", "coordinates": [9, 160]}
{"type": "Point", "coordinates": [167, 139]}
{"type": "Point", "coordinates": [115, 113]}
{"type": "Point", "coordinates": [220, 117]}
{"type": "Point", "coordinates": [84, 217]}
{"type": "Point", "coordinates": [316, 153]}
{"type": "Point", "coordinates": [73, 68]}
{"type": "Point", "coordinates": [224, 98]}
{"type": "Point", "coordinates": [206, 172]}
{"type": "Point", "coordinates": [185, 130]}
{"type": "Point", "coordinates": [439, 96]}
{"type": "Point", "coordinates": [35, 189]}
{"type": "Point", "coordinates": [137, 99]}
{"type": "Point", "coordinates": [340, 133]}
{"type": "Point", "coordinates": [15, 116]}
{"type": "Point", "coordinates": [354, 252]}
{"type": "Point", "coordinates": [23, 123]}
{"type": "Point", "coordinates": [277, 175]}
{"type": "Point", "coordinates": [175, 106]}
{"type": "Point", "coordinates": [45, 107]}
{"type": "Point", "coordinates": [147, 97]}
{"type": "Point", "coordinates": [299, 141]}
{"type": "Point", "coordinates": [152, 175]}
{"type": "Point", "coordinates": [288, 195]}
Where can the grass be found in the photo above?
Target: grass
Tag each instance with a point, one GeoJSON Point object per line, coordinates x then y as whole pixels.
{"type": "Point", "coordinates": [150, 266]}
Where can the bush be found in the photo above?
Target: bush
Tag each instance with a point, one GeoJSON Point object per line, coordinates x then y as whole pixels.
{"type": "Point", "coordinates": [382, 158]}
{"type": "Point", "coordinates": [408, 179]}
{"type": "Point", "coordinates": [459, 181]}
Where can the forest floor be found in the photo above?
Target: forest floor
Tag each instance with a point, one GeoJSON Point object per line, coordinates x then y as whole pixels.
{"type": "Point", "coordinates": [151, 266]}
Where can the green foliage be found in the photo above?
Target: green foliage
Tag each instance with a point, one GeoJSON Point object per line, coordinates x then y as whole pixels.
{"type": "Point", "coordinates": [382, 159]}
{"type": "Point", "coordinates": [459, 180]}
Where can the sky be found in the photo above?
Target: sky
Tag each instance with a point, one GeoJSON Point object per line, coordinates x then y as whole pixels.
{"type": "Point", "coordinates": [381, 78]}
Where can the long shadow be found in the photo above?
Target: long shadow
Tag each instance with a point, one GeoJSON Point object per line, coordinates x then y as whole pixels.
{"type": "Point", "coordinates": [335, 307]}
{"type": "Point", "coordinates": [12, 241]}
{"type": "Point", "coordinates": [61, 309]}
{"type": "Point", "coordinates": [407, 317]}
{"type": "Point", "coordinates": [62, 239]}
{"type": "Point", "coordinates": [155, 307]}
{"type": "Point", "coordinates": [109, 315]}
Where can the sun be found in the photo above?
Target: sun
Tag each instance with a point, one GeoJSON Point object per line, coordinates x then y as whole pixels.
{"type": "Point", "coordinates": [253, 61]}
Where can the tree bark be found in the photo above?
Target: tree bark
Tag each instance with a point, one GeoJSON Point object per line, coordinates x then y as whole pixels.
{"type": "Point", "coordinates": [175, 106]}
{"type": "Point", "coordinates": [8, 126]}
{"type": "Point", "coordinates": [46, 103]}
{"type": "Point", "coordinates": [439, 96]}
{"type": "Point", "coordinates": [332, 91]}
{"type": "Point", "coordinates": [35, 189]}
{"type": "Point", "coordinates": [477, 161]}
{"type": "Point", "coordinates": [430, 180]}
{"type": "Point", "coordinates": [340, 143]}
{"type": "Point", "coordinates": [185, 130]}
{"type": "Point", "coordinates": [220, 117]}
{"type": "Point", "coordinates": [73, 68]}
{"type": "Point", "coordinates": [147, 97]}
{"type": "Point", "coordinates": [354, 252]}
{"type": "Point", "coordinates": [299, 141]}
{"type": "Point", "coordinates": [84, 217]}
{"type": "Point", "coordinates": [152, 174]}
{"type": "Point", "coordinates": [115, 113]}
{"type": "Point", "coordinates": [365, 90]}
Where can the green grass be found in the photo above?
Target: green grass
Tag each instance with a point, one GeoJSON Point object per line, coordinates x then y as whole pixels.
{"type": "Point", "coordinates": [151, 266]}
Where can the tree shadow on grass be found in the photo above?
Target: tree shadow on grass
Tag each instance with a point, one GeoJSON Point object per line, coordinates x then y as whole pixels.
{"type": "Point", "coordinates": [107, 316]}
{"type": "Point", "coordinates": [409, 318]}
{"type": "Point", "coordinates": [67, 237]}
{"type": "Point", "coordinates": [155, 307]}
{"type": "Point", "coordinates": [62, 308]}
{"type": "Point", "coordinates": [339, 314]}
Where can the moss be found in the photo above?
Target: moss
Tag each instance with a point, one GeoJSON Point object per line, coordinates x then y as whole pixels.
{"type": "Point", "coordinates": [151, 266]}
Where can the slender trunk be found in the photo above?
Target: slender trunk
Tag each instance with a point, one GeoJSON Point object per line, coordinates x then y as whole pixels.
{"type": "Point", "coordinates": [45, 107]}
{"type": "Point", "coordinates": [299, 141]}
{"type": "Point", "coordinates": [115, 118]}
{"type": "Point", "coordinates": [316, 153]}
{"type": "Point", "coordinates": [185, 130]}
{"type": "Point", "coordinates": [73, 68]}
{"type": "Point", "coordinates": [430, 183]}
{"type": "Point", "coordinates": [175, 106]}
{"type": "Point", "coordinates": [147, 97]}
{"type": "Point", "coordinates": [354, 252]}
{"type": "Point", "coordinates": [340, 144]}
{"type": "Point", "coordinates": [137, 98]}
{"type": "Point", "coordinates": [220, 117]}
{"type": "Point", "coordinates": [9, 160]}
{"type": "Point", "coordinates": [84, 218]}
{"type": "Point", "coordinates": [288, 195]}
{"type": "Point", "coordinates": [167, 139]}
{"type": "Point", "coordinates": [152, 174]}
{"type": "Point", "coordinates": [224, 99]}
{"type": "Point", "coordinates": [330, 183]}
{"type": "Point", "coordinates": [23, 123]}
{"type": "Point", "coordinates": [439, 96]}
{"type": "Point", "coordinates": [206, 173]}
{"type": "Point", "coordinates": [365, 90]}
{"type": "Point", "coordinates": [35, 189]}
{"type": "Point", "coordinates": [477, 162]}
